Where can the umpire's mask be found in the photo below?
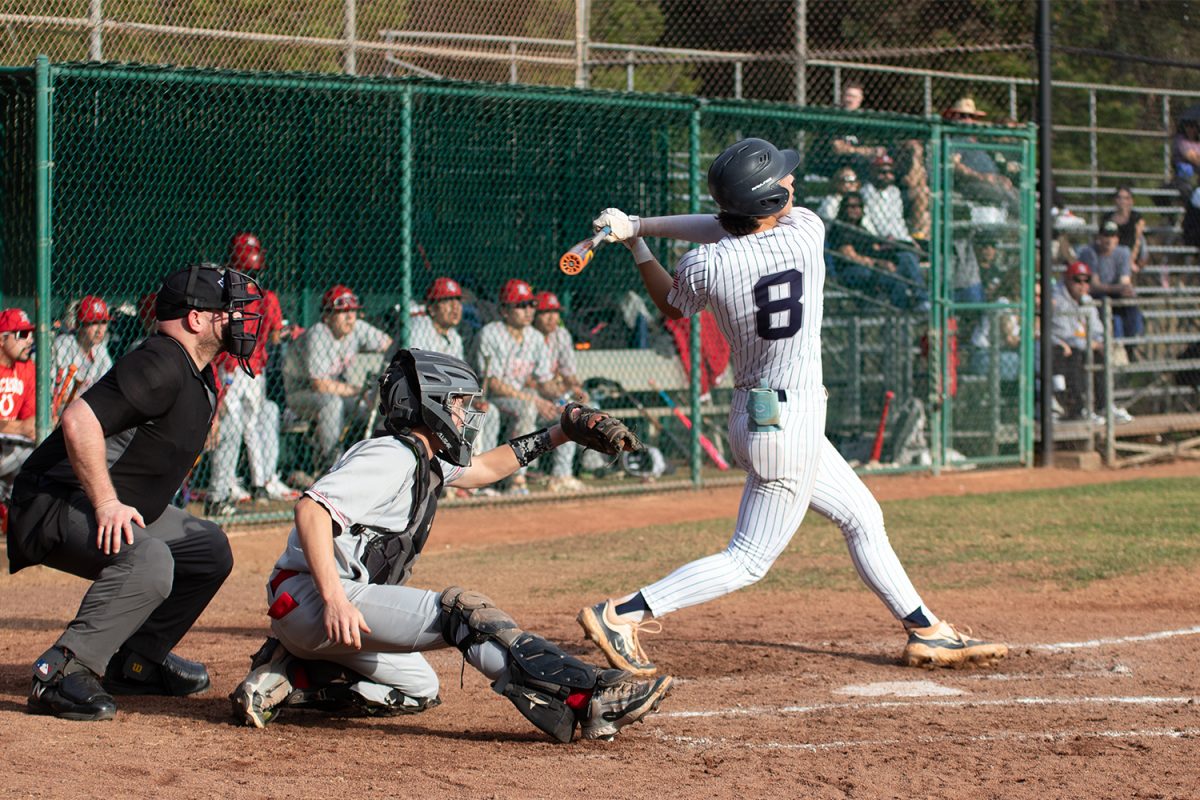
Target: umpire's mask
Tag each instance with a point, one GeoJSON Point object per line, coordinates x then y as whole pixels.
{"type": "Point", "coordinates": [209, 287]}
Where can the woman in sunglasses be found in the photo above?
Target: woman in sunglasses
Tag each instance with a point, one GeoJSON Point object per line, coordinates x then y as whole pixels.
{"type": "Point", "coordinates": [864, 262]}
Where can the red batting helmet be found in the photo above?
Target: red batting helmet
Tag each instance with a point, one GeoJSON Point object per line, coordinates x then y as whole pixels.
{"type": "Point", "coordinates": [245, 253]}
{"type": "Point", "coordinates": [91, 309]}
{"type": "Point", "coordinates": [340, 298]}
{"type": "Point", "coordinates": [548, 301]}
{"type": "Point", "coordinates": [443, 289]}
{"type": "Point", "coordinates": [516, 291]}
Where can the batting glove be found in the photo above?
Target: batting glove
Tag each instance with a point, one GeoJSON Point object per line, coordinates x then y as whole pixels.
{"type": "Point", "coordinates": [622, 225]}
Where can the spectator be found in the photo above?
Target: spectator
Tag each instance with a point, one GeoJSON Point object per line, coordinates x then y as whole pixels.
{"type": "Point", "coordinates": [437, 330]}
{"type": "Point", "coordinates": [317, 370]}
{"type": "Point", "coordinates": [1185, 152]}
{"type": "Point", "coordinates": [884, 204]}
{"type": "Point", "coordinates": [245, 413]}
{"type": "Point", "coordinates": [1003, 327]}
{"type": "Point", "coordinates": [1111, 275]}
{"type": "Point", "coordinates": [1075, 329]}
{"type": "Point", "coordinates": [976, 175]}
{"type": "Point", "coordinates": [973, 266]}
{"type": "Point", "coordinates": [85, 348]}
{"type": "Point", "coordinates": [847, 149]}
{"type": "Point", "coordinates": [547, 320]}
{"type": "Point", "coordinates": [1191, 219]}
{"type": "Point", "coordinates": [894, 273]}
{"type": "Point", "coordinates": [17, 399]}
{"type": "Point", "coordinates": [1131, 227]}
{"type": "Point", "coordinates": [515, 364]}
{"type": "Point", "coordinates": [844, 180]}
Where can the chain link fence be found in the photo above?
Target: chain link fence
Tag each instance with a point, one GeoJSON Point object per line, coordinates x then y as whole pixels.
{"type": "Point", "coordinates": [390, 210]}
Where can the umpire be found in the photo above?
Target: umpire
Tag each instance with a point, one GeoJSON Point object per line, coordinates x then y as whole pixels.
{"type": "Point", "coordinates": [94, 500]}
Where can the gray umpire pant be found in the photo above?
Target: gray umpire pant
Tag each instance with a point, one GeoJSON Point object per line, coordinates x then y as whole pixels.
{"type": "Point", "coordinates": [148, 595]}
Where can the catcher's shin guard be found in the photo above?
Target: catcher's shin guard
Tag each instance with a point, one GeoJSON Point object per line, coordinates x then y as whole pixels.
{"type": "Point", "coordinates": [550, 688]}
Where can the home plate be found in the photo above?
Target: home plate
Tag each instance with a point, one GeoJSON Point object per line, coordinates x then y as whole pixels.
{"type": "Point", "coordinates": [899, 689]}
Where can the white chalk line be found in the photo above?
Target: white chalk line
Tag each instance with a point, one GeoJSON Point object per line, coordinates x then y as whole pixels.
{"type": "Point", "coordinates": [1091, 643]}
{"type": "Point", "coordinates": [757, 711]}
{"type": "Point", "coordinates": [1008, 736]}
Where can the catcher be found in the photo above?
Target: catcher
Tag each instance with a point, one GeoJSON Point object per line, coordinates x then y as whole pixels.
{"type": "Point", "coordinates": [350, 633]}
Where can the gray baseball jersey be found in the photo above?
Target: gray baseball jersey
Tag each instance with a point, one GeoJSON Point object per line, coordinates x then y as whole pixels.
{"type": "Point", "coordinates": [423, 335]}
{"type": "Point", "coordinates": [562, 352]}
{"type": "Point", "coordinates": [514, 362]}
{"type": "Point", "coordinates": [89, 366]}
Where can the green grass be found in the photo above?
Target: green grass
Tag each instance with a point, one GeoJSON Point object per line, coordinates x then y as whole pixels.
{"type": "Point", "coordinates": [1062, 537]}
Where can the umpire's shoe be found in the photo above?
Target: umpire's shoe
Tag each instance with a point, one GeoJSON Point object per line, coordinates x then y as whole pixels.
{"type": "Point", "coordinates": [944, 645]}
{"type": "Point", "coordinates": [618, 640]}
{"type": "Point", "coordinates": [614, 707]}
{"type": "Point", "coordinates": [132, 673]}
{"type": "Point", "coordinates": [65, 688]}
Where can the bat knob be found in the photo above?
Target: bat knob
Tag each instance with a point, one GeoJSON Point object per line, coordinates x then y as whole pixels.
{"type": "Point", "coordinates": [571, 263]}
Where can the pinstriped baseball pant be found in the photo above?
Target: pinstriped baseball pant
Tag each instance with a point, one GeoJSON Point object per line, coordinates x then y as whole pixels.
{"type": "Point", "coordinates": [789, 471]}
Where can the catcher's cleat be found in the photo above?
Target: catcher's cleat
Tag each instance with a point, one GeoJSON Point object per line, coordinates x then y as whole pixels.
{"type": "Point", "coordinates": [629, 701]}
{"type": "Point", "coordinates": [256, 701]}
{"type": "Point", "coordinates": [618, 640]}
{"type": "Point", "coordinates": [947, 646]}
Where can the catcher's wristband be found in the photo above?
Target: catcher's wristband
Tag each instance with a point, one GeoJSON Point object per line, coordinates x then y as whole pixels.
{"type": "Point", "coordinates": [531, 445]}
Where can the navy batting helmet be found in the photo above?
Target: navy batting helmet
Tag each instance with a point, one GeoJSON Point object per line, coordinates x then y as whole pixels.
{"type": "Point", "coordinates": [744, 180]}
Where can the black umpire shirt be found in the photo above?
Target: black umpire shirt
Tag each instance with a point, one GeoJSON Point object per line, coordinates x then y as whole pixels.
{"type": "Point", "coordinates": [155, 408]}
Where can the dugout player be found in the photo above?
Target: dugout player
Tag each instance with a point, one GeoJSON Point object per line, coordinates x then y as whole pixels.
{"type": "Point", "coordinates": [350, 633]}
{"type": "Point", "coordinates": [761, 268]}
{"type": "Point", "coordinates": [94, 500]}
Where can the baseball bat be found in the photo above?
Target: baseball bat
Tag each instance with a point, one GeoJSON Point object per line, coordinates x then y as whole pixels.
{"type": "Point", "coordinates": [574, 260]}
{"type": "Point", "coordinates": [705, 442]}
{"type": "Point", "coordinates": [63, 388]}
{"type": "Point", "coordinates": [877, 449]}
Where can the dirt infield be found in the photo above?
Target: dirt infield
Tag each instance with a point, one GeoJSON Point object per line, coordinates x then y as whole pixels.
{"type": "Point", "coordinates": [780, 694]}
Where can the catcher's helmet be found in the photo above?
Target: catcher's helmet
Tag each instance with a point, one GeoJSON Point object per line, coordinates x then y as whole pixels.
{"type": "Point", "coordinates": [744, 180]}
{"type": "Point", "coordinates": [416, 389]}
{"type": "Point", "coordinates": [245, 253]}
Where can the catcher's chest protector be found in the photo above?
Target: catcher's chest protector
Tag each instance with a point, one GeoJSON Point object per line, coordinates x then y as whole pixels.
{"type": "Point", "coordinates": [389, 555]}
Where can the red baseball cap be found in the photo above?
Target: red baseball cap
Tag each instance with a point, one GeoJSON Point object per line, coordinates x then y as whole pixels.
{"type": "Point", "coordinates": [443, 289]}
{"type": "Point", "coordinates": [1078, 268]}
{"type": "Point", "coordinates": [548, 301]}
{"type": "Point", "coordinates": [516, 291]}
{"type": "Point", "coordinates": [883, 161]}
{"type": "Point", "coordinates": [91, 309]}
{"type": "Point", "coordinates": [14, 320]}
{"type": "Point", "coordinates": [340, 298]}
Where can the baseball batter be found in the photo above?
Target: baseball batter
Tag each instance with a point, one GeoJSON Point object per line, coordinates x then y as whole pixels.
{"type": "Point", "coordinates": [761, 269]}
{"type": "Point", "coordinates": [351, 632]}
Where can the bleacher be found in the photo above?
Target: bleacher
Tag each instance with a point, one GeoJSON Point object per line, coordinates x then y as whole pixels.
{"type": "Point", "coordinates": [1166, 408]}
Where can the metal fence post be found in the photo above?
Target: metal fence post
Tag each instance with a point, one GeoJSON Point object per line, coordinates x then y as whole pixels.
{"type": "Point", "coordinates": [1110, 444]}
{"type": "Point", "coordinates": [802, 53]}
{"type": "Point", "coordinates": [43, 154]}
{"type": "Point", "coordinates": [694, 344]}
{"type": "Point", "coordinates": [581, 43]}
{"type": "Point", "coordinates": [407, 241]}
{"type": "Point", "coordinates": [351, 33]}
{"type": "Point", "coordinates": [96, 22]}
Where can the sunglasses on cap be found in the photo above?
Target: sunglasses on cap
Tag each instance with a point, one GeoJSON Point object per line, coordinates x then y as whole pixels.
{"type": "Point", "coordinates": [345, 302]}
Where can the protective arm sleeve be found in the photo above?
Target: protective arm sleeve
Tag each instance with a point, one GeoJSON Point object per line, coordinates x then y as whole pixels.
{"type": "Point", "coordinates": [697, 228]}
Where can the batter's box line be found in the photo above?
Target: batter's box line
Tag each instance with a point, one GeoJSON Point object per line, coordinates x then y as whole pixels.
{"type": "Point", "coordinates": [1005, 736]}
{"type": "Point", "coordinates": [762, 711]}
{"type": "Point", "coordinates": [1059, 647]}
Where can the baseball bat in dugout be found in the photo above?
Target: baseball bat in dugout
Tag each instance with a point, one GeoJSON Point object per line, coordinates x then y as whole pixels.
{"type": "Point", "coordinates": [574, 260]}
{"type": "Point", "coordinates": [705, 442]}
{"type": "Point", "coordinates": [63, 388]}
{"type": "Point", "coordinates": [877, 448]}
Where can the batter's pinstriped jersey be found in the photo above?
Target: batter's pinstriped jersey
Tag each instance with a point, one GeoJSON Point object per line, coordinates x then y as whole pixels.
{"type": "Point", "coordinates": [766, 291]}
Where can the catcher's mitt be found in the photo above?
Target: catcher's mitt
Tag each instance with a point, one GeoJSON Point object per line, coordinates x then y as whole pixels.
{"type": "Point", "coordinates": [596, 430]}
